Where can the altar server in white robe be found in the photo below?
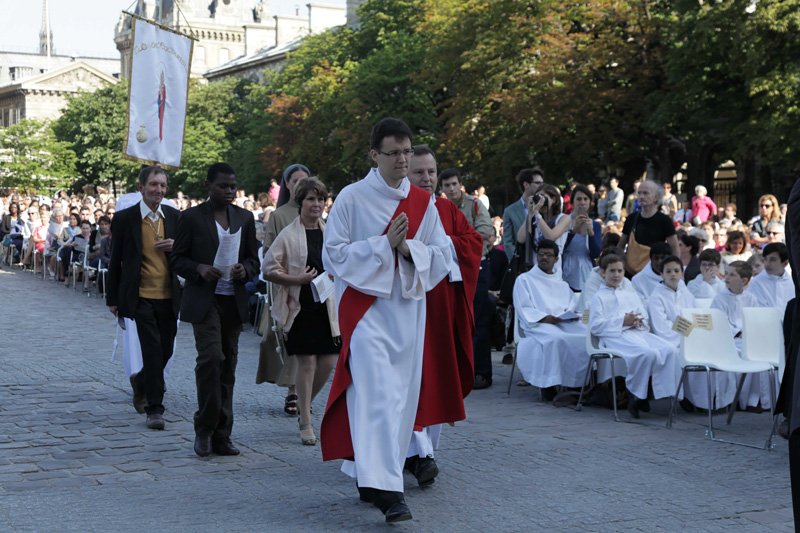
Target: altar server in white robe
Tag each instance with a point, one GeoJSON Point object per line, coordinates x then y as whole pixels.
{"type": "Point", "coordinates": [377, 381]}
{"type": "Point", "coordinates": [664, 306]}
{"type": "Point", "coordinates": [772, 288]}
{"type": "Point", "coordinates": [646, 281]}
{"type": "Point", "coordinates": [619, 320]}
{"type": "Point", "coordinates": [708, 284]}
{"type": "Point", "coordinates": [595, 281]}
{"type": "Point", "coordinates": [553, 348]}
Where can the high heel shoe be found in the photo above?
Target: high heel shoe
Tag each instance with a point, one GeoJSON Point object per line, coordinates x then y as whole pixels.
{"type": "Point", "coordinates": [307, 435]}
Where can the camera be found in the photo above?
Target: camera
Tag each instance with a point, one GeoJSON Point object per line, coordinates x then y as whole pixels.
{"type": "Point", "coordinates": [538, 196]}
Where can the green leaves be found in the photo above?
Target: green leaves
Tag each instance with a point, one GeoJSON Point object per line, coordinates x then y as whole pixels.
{"type": "Point", "coordinates": [33, 160]}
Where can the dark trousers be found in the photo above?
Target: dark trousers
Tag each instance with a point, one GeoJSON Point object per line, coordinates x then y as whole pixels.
{"type": "Point", "coordinates": [217, 341]}
{"type": "Point", "coordinates": [794, 472]}
{"type": "Point", "coordinates": [156, 326]}
{"type": "Point", "coordinates": [484, 310]}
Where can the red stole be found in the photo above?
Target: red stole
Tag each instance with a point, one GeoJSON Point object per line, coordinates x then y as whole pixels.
{"type": "Point", "coordinates": [336, 441]}
{"type": "Point", "coordinates": [447, 364]}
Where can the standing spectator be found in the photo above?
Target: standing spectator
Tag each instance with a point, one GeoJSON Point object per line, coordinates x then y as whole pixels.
{"type": "Point", "coordinates": [768, 211]}
{"type": "Point", "coordinates": [274, 191]}
{"type": "Point", "coordinates": [632, 202]}
{"type": "Point", "coordinates": [582, 245]}
{"type": "Point", "coordinates": [646, 227]}
{"type": "Point", "coordinates": [529, 181]}
{"type": "Point", "coordinates": [552, 225]}
{"type": "Point", "coordinates": [702, 206]}
{"type": "Point", "coordinates": [669, 203]}
{"type": "Point", "coordinates": [615, 199]}
{"type": "Point", "coordinates": [292, 262]}
{"type": "Point", "coordinates": [480, 194]}
{"type": "Point", "coordinates": [601, 202]}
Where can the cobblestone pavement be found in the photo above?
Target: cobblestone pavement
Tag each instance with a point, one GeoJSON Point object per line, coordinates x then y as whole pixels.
{"type": "Point", "coordinates": [75, 456]}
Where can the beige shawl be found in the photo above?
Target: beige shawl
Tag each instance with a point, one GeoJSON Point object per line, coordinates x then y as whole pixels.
{"type": "Point", "coordinates": [288, 255]}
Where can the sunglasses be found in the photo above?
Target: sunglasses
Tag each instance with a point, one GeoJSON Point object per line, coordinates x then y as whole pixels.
{"type": "Point", "coordinates": [766, 205]}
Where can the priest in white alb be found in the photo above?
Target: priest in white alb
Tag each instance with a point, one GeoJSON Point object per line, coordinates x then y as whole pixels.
{"type": "Point", "coordinates": [552, 350]}
{"type": "Point", "coordinates": [385, 247]}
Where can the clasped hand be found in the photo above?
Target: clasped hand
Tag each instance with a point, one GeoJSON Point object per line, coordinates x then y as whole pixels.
{"type": "Point", "coordinates": [396, 234]}
{"type": "Point", "coordinates": [633, 319]}
{"type": "Point", "coordinates": [209, 273]}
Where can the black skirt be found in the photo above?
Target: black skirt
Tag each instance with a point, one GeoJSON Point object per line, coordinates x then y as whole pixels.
{"type": "Point", "coordinates": [311, 333]}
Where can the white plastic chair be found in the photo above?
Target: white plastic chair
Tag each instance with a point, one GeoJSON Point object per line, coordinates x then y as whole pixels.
{"type": "Point", "coordinates": [714, 350]}
{"type": "Point", "coordinates": [596, 354]}
{"type": "Point", "coordinates": [703, 303]}
{"type": "Point", "coordinates": [762, 340]}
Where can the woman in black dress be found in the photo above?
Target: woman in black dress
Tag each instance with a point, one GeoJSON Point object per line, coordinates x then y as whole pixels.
{"type": "Point", "coordinates": [311, 328]}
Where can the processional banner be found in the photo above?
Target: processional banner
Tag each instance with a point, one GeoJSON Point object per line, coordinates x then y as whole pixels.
{"type": "Point", "coordinates": [157, 94]}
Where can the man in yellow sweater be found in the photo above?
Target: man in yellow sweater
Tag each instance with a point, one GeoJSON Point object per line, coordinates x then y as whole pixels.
{"type": "Point", "coordinates": [142, 286]}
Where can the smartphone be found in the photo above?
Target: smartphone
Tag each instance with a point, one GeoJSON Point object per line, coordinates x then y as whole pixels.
{"type": "Point", "coordinates": [579, 211]}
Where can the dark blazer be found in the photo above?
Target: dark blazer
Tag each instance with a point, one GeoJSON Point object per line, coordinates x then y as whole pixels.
{"type": "Point", "coordinates": [125, 267]}
{"type": "Point", "coordinates": [196, 243]}
{"type": "Point", "coordinates": [792, 393]}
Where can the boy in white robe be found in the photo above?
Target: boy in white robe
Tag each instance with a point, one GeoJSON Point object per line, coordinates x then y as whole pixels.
{"type": "Point", "coordinates": [595, 281]}
{"type": "Point", "coordinates": [368, 252]}
{"type": "Point", "coordinates": [553, 348]}
{"type": "Point", "coordinates": [731, 301]}
{"type": "Point", "coordinates": [708, 284]}
{"type": "Point", "coordinates": [619, 320]}
{"type": "Point", "coordinates": [772, 288]}
{"type": "Point", "coordinates": [646, 281]}
{"type": "Point", "coordinates": [664, 306]}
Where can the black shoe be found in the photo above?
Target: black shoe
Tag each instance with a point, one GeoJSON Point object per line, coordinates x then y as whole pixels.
{"type": "Point", "coordinates": [202, 445]}
{"type": "Point", "coordinates": [139, 400]}
{"type": "Point", "coordinates": [508, 359]}
{"type": "Point", "coordinates": [391, 504]}
{"type": "Point", "coordinates": [482, 382]}
{"type": "Point", "coordinates": [398, 512]}
{"type": "Point", "coordinates": [426, 471]}
{"type": "Point", "coordinates": [223, 447]}
{"type": "Point", "coordinates": [411, 464]}
{"type": "Point", "coordinates": [155, 421]}
{"type": "Point", "coordinates": [783, 429]}
{"type": "Point", "coordinates": [686, 405]}
{"type": "Point", "coordinates": [633, 406]}
{"type": "Point", "coordinates": [643, 405]}
{"type": "Point", "coordinates": [549, 393]}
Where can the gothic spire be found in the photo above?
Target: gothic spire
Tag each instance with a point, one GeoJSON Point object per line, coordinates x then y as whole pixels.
{"type": "Point", "coordinates": [46, 33]}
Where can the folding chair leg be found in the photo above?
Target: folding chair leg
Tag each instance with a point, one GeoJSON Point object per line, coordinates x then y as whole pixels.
{"type": "Point", "coordinates": [592, 362]}
{"type": "Point", "coordinates": [614, 388]}
{"type": "Point", "coordinates": [736, 399]}
{"type": "Point", "coordinates": [710, 430]}
{"type": "Point", "coordinates": [769, 445]}
{"type": "Point", "coordinates": [673, 406]}
{"type": "Point", "coordinates": [513, 367]}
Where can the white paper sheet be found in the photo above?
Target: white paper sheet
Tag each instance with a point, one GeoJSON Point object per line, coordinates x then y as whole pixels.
{"type": "Point", "coordinates": [322, 287]}
{"type": "Point", "coordinates": [227, 252]}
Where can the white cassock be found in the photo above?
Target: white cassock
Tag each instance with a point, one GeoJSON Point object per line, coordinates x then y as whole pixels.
{"type": "Point", "coordinates": [772, 291]}
{"type": "Point", "coordinates": [387, 343]}
{"type": "Point", "coordinates": [664, 307]}
{"type": "Point", "coordinates": [767, 291]}
{"type": "Point", "coordinates": [645, 355]}
{"type": "Point", "coordinates": [645, 282]}
{"type": "Point", "coordinates": [549, 354]}
{"type": "Point", "coordinates": [700, 288]}
{"type": "Point", "coordinates": [424, 442]}
{"type": "Point", "coordinates": [593, 284]}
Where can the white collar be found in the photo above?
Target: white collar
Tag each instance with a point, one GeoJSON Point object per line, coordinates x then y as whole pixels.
{"type": "Point", "coordinates": [145, 210]}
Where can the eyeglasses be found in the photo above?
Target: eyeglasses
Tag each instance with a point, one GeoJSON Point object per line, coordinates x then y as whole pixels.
{"type": "Point", "coordinates": [408, 152]}
{"type": "Point", "coordinates": [766, 205]}
{"type": "Point", "coordinates": [546, 255]}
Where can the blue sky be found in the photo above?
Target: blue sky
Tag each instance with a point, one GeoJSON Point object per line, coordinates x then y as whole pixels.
{"type": "Point", "coordinates": [84, 27]}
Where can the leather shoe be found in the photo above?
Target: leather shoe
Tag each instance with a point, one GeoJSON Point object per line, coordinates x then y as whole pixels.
{"type": "Point", "coordinates": [392, 505]}
{"type": "Point", "coordinates": [426, 471]}
{"type": "Point", "coordinates": [508, 359]}
{"type": "Point", "coordinates": [224, 447]}
{"type": "Point", "coordinates": [202, 445]}
{"type": "Point", "coordinates": [155, 421]}
{"type": "Point", "coordinates": [366, 494]}
{"type": "Point", "coordinates": [481, 382]}
{"type": "Point", "coordinates": [633, 407]}
{"type": "Point", "coordinates": [139, 400]}
{"type": "Point", "coordinates": [398, 512]}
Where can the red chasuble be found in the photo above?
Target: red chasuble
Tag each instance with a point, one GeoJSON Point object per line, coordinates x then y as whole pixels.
{"type": "Point", "coordinates": [447, 364]}
{"type": "Point", "coordinates": [336, 441]}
